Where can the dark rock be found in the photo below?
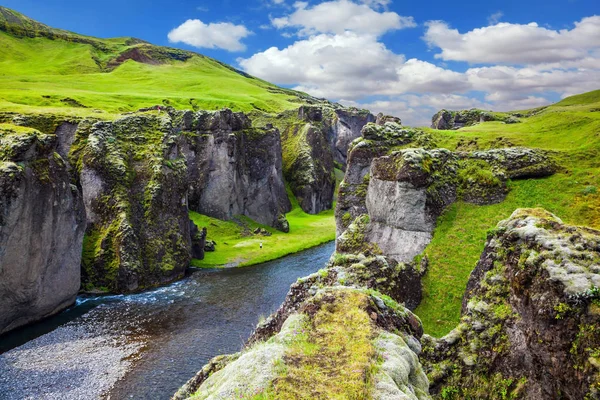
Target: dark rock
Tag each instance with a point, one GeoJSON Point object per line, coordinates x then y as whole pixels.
{"type": "Point", "coordinates": [530, 315]}
{"type": "Point", "coordinates": [383, 119]}
{"type": "Point", "coordinates": [134, 179]}
{"type": "Point", "coordinates": [315, 140]}
{"type": "Point", "coordinates": [210, 245]}
{"type": "Point", "coordinates": [232, 168]}
{"type": "Point", "coordinates": [199, 242]}
{"type": "Point", "coordinates": [446, 120]}
{"type": "Point", "coordinates": [42, 221]}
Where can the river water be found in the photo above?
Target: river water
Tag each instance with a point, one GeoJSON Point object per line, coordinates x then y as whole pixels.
{"type": "Point", "coordinates": [174, 330]}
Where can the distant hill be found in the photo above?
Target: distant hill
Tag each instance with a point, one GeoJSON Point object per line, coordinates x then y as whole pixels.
{"type": "Point", "coordinates": [53, 70]}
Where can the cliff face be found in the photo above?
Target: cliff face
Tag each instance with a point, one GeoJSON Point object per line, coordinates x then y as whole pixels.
{"type": "Point", "coordinates": [234, 169]}
{"type": "Point", "coordinates": [42, 222]}
{"type": "Point", "coordinates": [530, 320]}
{"type": "Point", "coordinates": [140, 175]}
{"type": "Point", "coordinates": [315, 141]}
{"type": "Point", "coordinates": [404, 191]}
{"type": "Point", "coordinates": [133, 176]}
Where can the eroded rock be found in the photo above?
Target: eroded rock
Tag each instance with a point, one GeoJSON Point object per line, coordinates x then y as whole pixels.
{"type": "Point", "coordinates": [42, 221]}
{"type": "Point", "coordinates": [529, 325]}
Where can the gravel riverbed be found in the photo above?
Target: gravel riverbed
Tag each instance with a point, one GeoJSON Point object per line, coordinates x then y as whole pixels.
{"type": "Point", "coordinates": [81, 360]}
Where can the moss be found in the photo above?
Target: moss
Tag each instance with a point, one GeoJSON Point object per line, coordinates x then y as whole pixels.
{"type": "Point", "coordinates": [333, 355]}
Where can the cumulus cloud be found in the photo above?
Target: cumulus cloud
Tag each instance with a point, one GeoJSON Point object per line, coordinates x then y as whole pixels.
{"type": "Point", "coordinates": [349, 66]}
{"type": "Point", "coordinates": [495, 18]}
{"type": "Point", "coordinates": [222, 35]}
{"type": "Point", "coordinates": [507, 43]}
{"type": "Point", "coordinates": [340, 16]}
{"type": "Point", "coordinates": [340, 56]}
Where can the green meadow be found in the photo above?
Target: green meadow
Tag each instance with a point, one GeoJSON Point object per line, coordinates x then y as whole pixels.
{"type": "Point", "coordinates": [237, 246]}
{"type": "Point", "coordinates": [571, 129]}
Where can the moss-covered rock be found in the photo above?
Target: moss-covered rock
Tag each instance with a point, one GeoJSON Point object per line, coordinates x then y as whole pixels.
{"type": "Point", "coordinates": [529, 320]}
{"type": "Point", "coordinates": [337, 342]}
{"type": "Point", "coordinates": [315, 140]}
{"type": "Point", "coordinates": [446, 120]}
{"type": "Point", "coordinates": [41, 228]}
{"type": "Point", "coordinates": [134, 180]}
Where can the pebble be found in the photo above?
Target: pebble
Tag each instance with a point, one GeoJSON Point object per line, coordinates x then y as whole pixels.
{"type": "Point", "coordinates": [74, 362]}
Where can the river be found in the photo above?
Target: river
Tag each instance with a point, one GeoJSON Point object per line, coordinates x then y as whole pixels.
{"type": "Point", "coordinates": [145, 346]}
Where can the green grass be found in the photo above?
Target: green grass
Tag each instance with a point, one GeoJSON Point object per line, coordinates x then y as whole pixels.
{"type": "Point", "coordinates": [571, 128]}
{"type": "Point", "coordinates": [39, 74]}
{"type": "Point", "coordinates": [333, 357]}
{"type": "Point", "coordinates": [234, 249]}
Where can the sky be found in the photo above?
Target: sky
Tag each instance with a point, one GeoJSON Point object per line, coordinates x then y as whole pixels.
{"type": "Point", "coordinates": [405, 58]}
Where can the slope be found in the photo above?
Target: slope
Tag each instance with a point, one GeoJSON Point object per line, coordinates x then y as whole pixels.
{"type": "Point", "coordinates": [570, 128]}
{"type": "Point", "coordinates": [43, 69]}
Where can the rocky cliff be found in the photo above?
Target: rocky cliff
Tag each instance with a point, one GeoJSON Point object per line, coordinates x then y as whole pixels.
{"type": "Point", "coordinates": [531, 315]}
{"type": "Point", "coordinates": [234, 169]}
{"type": "Point", "coordinates": [404, 190]}
{"type": "Point", "coordinates": [315, 141]}
{"type": "Point", "coordinates": [42, 222]}
{"type": "Point", "coordinates": [138, 176]}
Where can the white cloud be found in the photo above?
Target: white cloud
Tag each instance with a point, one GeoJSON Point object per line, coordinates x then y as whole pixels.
{"type": "Point", "coordinates": [222, 35]}
{"type": "Point", "coordinates": [495, 18]}
{"type": "Point", "coordinates": [340, 16]}
{"type": "Point", "coordinates": [507, 43]}
{"type": "Point", "coordinates": [350, 66]}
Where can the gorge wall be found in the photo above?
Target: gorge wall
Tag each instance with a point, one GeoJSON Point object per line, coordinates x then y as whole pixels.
{"type": "Point", "coordinates": [129, 185]}
{"type": "Point", "coordinates": [315, 141]}
{"type": "Point", "coordinates": [42, 221]}
{"type": "Point", "coordinates": [404, 190]}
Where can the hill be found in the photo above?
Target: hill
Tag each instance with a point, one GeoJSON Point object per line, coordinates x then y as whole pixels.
{"type": "Point", "coordinates": [571, 130]}
{"type": "Point", "coordinates": [43, 69]}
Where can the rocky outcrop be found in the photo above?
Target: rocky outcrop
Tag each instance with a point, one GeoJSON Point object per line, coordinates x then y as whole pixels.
{"type": "Point", "coordinates": [140, 175]}
{"type": "Point", "coordinates": [232, 168]}
{"type": "Point", "coordinates": [376, 141]}
{"type": "Point", "coordinates": [134, 180]}
{"type": "Point", "coordinates": [315, 141]}
{"type": "Point", "coordinates": [364, 343]}
{"type": "Point", "coordinates": [530, 318]}
{"type": "Point", "coordinates": [404, 191]}
{"type": "Point", "coordinates": [42, 222]}
{"type": "Point", "coordinates": [447, 120]}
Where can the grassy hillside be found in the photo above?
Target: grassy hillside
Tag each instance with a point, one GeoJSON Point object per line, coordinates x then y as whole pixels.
{"type": "Point", "coordinates": [51, 70]}
{"type": "Point", "coordinates": [570, 128]}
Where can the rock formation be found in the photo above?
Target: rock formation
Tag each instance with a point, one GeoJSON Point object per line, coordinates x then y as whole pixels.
{"type": "Point", "coordinates": [138, 177]}
{"type": "Point", "coordinates": [447, 120]}
{"type": "Point", "coordinates": [315, 141]}
{"type": "Point", "coordinates": [378, 338]}
{"type": "Point", "coordinates": [234, 169]}
{"type": "Point", "coordinates": [404, 191]}
{"type": "Point", "coordinates": [531, 316]}
{"type": "Point", "coordinates": [42, 222]}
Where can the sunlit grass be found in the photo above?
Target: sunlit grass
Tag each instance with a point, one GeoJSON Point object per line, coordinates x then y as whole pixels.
{"type": "Point", "coordinates": [572, 129]}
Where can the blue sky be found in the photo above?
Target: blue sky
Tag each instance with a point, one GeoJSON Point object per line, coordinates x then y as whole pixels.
{"type": "Point", "coordinates": [407, 58]}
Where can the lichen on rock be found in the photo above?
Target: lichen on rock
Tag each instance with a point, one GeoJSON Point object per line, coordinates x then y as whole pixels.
{"type": "Point", "coordinates": [529, 316]}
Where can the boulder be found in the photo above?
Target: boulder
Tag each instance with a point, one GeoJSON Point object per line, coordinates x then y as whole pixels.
{"type": "Point", "coordinates": [199, 242]}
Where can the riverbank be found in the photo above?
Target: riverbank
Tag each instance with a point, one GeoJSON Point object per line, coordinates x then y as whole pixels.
{"type": "Point", "coordinates": [238, 246]}
{"type": "Point", "coordinates": [147, 345]}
